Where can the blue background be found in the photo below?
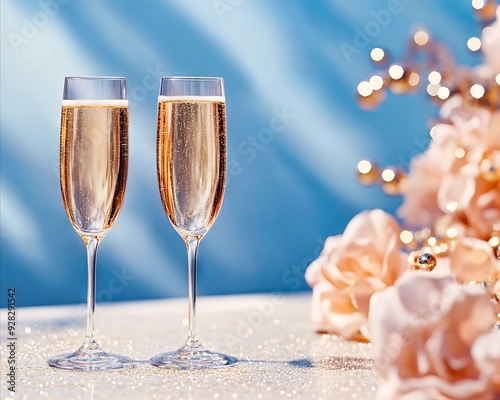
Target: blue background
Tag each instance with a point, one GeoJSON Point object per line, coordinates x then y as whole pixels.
{"type": "Point", "coordinates": [285, 194]}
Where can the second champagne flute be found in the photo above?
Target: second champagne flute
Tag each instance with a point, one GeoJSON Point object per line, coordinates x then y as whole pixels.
{"type": "Point", "coordinates": [191, 163]}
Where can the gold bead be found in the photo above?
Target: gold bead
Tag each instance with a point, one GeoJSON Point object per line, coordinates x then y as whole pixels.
{"type": "Point", "coordinates": [392, 179]}
{"type": "Point", "coordinates": [413, 259]}
{"type": "Point", "coordinates": [402, 80]}
{"type": "Point", "coordinates": [368, 172]}
{"type": "Point", "coordinates": [492, 96]}
{"type": "Point", "coordinates": [489, 170]}
{"type": "Point", "coordinates": [494, 240]}
{"type": "Point", "coordinates": [371, 100]}
{"type": "Point", "coordinates": [485, 10]}
{"type": "Point", "coordinates": [427, 262]}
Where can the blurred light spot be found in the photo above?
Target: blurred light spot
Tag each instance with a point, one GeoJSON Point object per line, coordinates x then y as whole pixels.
{"type": "Point", "coordinates": [185, 322]}
{"type": "Point", "coordinates": [426, 232]}
{"type": "Point", "coordinates": [478, 4]}
{"type": "Point", "coordinates": [497, 79]}
{"type": "Point", "coordinates": [432, 88]}
{"type": "Point", "coordinates": [474, 44]}
{"type": "Point", "coordinates": [432, 241]}
{"type": "Point", "coordinates": [434, 77]}
{"type": "Point", "coordinates": [377, 54]}
{"type": "Point", "coordinates": [494, 241]}
{"type": "Point", "coordinates": [452, 233]}
{"type": "Point", "coordinates": [436, 250]}
{"type": "Point", "coordinates": [477, 91]}
{"type": "Point", "coordinates": [421, 38]}
{"type": "Point", "coordinates": [376, 82]}
{"type": "Point", "coordinates": [368, 173]}
{"type": "Point", "coordinates": [452, 206]}
{"type": "Point", "coordinates": [396, 71]}
{"type": "Point", "coordinates": [406, 237]}
{"type": "Point", "coordinates": [388, 175]}
{"type": "Point", "coordinates": [365, 89]}
{"type": "Point", "coordinates": [414, 79]}
{"type": "Point", "coordinates": [459, 152]}
{"type": "Point", "coordinates": [443, 92]}
{"type": "Point", "coordinates": [364, 166]}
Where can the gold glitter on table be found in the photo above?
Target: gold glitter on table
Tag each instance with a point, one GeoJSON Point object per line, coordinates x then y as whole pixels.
{"type": "Point", "coordinates": [280, 355]}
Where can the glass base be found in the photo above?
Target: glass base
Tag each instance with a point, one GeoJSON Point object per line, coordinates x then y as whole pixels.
{"type": "Point", "coordinates": [90, 357]}
{"type": "Point", "coordinates": [190, 357]}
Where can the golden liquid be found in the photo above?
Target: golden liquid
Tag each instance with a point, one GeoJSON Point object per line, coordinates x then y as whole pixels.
{"type": "Point", "coordinates": [93, 165]}
{"type": "Point", "coordinates": [191, 161]}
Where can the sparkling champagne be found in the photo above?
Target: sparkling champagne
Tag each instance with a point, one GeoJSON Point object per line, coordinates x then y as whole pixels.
{"type": "Point", "coordinates": [93, 162]}
{"type": "Point", "coordinates": [191, 160]}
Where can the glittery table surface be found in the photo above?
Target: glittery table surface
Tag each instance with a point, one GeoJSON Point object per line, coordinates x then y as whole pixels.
{"type": "Point", "coordinates": [280, 354]}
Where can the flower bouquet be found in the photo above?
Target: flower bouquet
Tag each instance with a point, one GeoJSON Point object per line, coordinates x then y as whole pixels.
{"type": "Point", "coordinates": [425, 289]}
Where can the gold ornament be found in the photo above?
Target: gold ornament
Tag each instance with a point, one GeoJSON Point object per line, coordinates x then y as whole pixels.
{"type": "Point", "coordinates": [488, 168]}
{"type": "Point", "coordinates": [371, 100]}
{"type": "Point", "coordinates": [368, 172]}
{"type": "Point", "coordinates": [392, 179]}
{"type": "Point", "coordinates": [427, 262]}
{"type": "Point", "coordinates": [496, 296]}
{"type": "Point", "coordinates": [493, 96]}
{"type": "Point", "coordinates": [413, 259]}
{"type": "Point", "coordinates": [494, 242]}
{"type": "Point", "coordinates": [485, 9]}
{"type": "Point", "coordinates": [402, 80]}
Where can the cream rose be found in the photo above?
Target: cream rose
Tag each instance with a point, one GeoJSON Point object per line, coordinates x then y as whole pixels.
{"type": "Point", "coordinates": [352, 267]}
{"type": "Point", "coordinates": [430, 340]}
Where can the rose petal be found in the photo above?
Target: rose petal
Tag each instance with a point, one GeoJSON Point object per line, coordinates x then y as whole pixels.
{"type": "Point", "coordinates": [473, 260]}
{"type": "Point", "coordinates": [486, 352]}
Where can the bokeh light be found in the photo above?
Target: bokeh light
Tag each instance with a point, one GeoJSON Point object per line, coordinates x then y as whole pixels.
{"type": "Point", "coordinates": [474, 43]}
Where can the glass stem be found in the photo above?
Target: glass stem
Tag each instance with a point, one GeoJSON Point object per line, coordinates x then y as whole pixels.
{"type": "Point", "coordinates": [192, 250]}
{"type": "Point", "coordinates": [92, 244]}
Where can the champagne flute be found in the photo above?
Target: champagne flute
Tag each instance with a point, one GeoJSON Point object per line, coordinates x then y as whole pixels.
{"type": "Point", "coordinates": [93, 174]}
{"type": "Point", "coordinates": [191, 165]}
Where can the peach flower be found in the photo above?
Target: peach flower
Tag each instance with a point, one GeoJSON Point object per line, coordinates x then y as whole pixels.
{"type": "Point", "coordinates": [440, 183]}
{"type": "Point", "coordinates": [473, 260]}
{"type": "Point", "coordinates": [431, 340]}
{"type": "Point", "coordinates": [421, 186]}
{"type": "Point", "coordinates": [486, 352]}
{"type": "Point", "coordinates": [367, 258]}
